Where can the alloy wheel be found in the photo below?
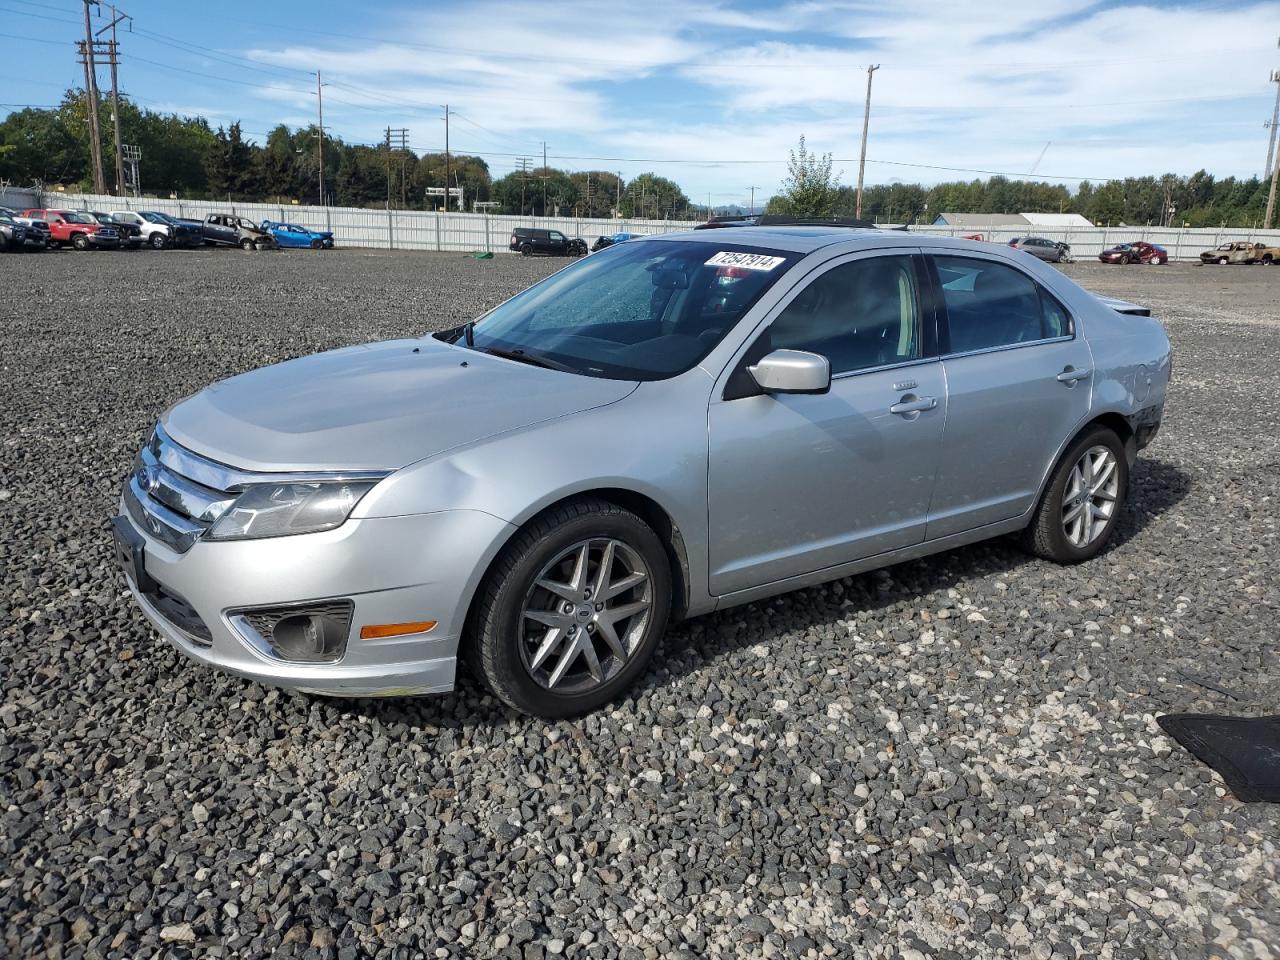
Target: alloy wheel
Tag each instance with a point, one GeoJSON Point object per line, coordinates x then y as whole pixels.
{"type": "Point", "coordinates": [1089, 500]}
{"type": "Point", "coordinates": [585, 615]}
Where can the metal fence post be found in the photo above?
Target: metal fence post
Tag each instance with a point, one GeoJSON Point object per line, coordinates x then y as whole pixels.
{"type": "Point", "coordinates": [1177, 246]}
{"type": "Point", "coordinates": [438, 247]}
{"type": "Point", "coordinates": [391, 233]}
{"type": "Point", "coordinates": [487, 248]}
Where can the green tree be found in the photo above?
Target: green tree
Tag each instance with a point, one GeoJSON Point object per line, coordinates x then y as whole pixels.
{"type": "Point", "coordinates": [649, 196]}
{"type": "Point", "coordinates": [810, 188]}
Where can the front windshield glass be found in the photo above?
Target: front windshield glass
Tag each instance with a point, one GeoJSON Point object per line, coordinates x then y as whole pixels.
{"type": "Point", "coordinates": [643, 310]}
{"type": "Point", "coordinates": [78, 218]}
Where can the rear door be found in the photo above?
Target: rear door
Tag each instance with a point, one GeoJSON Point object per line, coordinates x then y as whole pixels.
{"type": "Point", "coordinates": [798, 483]}
{"type": "Point", "coordinates": [1019, 379]}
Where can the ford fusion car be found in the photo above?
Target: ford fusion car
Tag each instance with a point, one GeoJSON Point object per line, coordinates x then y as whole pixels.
{"type": "Point", "coordinates": [294, 235]}
{"type": "Point", "coordinates": [672, 426]}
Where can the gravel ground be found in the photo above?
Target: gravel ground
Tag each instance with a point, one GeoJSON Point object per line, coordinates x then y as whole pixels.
{"type": "Point", "coordinates": [954, 758]}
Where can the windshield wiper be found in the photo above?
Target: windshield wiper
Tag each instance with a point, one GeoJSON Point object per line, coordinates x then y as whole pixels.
{"type": "Point", "coordinates": [469, 332]}
{"type": "Point", "coordinates": [534, 360]}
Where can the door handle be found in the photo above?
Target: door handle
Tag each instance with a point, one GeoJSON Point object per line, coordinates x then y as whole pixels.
{"type": "Point", "coordinates": [914, 406]}
{"type": "Point", "coordinates": [1070, 375]}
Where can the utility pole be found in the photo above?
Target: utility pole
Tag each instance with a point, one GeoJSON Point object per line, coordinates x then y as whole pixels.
{"type": "Point", "coordinates": [387, 145]}
{"type": "Point", "coordinates": [753, 200]}
{"type": "Point", "coordinates": [320, 147]}
{"type": "Point", "coordinates": [1275, 118]}
{"type": "Point", "coordinates": [618, 204]}
{"type": "Point", "coordinates": [91, 94]}
{"type": "Point", "coordinates": [522, 164]}
{"type": "Point", "coordinates": [544, 178]}
{"type": "Point", "coordinates": [398, 138]}
{"type": "Point", "coordinates": [113, 52]}
{"type": "Point", "coordinates": [866, 121]}
{"type": "Point", "coordinates": [446, 157]}
{"type": "Point", "coordinates": [1271, 196]}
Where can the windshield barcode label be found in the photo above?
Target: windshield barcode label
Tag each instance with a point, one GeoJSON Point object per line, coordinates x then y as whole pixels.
{"type": "Point", "coordinates": [748, 261]}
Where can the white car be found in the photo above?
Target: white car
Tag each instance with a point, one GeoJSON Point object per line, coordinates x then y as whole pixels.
{"type": "Point", "coordinates": [155, 231]}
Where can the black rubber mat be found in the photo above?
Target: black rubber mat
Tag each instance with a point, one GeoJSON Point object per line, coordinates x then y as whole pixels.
{"type": "Point", "coordinates": [1245, 750]}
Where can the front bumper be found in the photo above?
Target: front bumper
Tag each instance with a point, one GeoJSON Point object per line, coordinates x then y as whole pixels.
{"type": "Point", "coordinates": [394, 570]}
{"type": "Point", "coordinates": [106, 243]}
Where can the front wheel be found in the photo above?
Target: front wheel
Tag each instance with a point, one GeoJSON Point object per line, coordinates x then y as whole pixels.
{"type": "Point", "coordinates": [80, 241]}
{"type": "Point", "coordinates": [1077, 513]}
{"type": "Point", "coordinates": [317, 244]}
{"type": "Point", "coordinates": [572, 610]}
{"type": "Point", "coordinates": [246, 244]}
{"type": "Point", "coordinates": [1222, 261]}
{"type": "Point", "coordinates": [158, 241]}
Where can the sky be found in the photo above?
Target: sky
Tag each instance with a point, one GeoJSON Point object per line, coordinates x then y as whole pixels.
{"type": "Point", "coordinates": [711, 93]}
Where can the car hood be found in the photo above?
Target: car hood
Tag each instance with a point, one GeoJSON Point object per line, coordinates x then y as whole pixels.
{"type": "Point", "coordinates": [376, 406]}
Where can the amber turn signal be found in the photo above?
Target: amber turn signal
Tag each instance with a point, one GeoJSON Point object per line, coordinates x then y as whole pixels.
{"type": "Point", "coordinates": [378, 631]}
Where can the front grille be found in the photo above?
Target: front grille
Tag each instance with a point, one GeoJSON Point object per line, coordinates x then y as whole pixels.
{"type": "Point", "coordinates": [176, 495]}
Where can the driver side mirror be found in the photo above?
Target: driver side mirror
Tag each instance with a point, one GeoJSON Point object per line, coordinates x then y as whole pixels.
{"type": "Point", "coordinates": [792, 371]}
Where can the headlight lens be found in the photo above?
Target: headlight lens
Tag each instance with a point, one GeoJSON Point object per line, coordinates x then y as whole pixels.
{"type": "Point", "coordinates": [284, 509]}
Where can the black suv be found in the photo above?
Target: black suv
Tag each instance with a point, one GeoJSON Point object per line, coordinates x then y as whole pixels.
{"type": "Point", "coordinates": [551, 242]}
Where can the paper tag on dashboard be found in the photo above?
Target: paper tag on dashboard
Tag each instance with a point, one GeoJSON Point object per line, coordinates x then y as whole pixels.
{"type": "Point", "coordinates": [748, 261]}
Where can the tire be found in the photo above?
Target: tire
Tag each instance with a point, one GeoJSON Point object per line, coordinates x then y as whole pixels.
{"type": "Point", "coordinates": [1222, 261]}
{"type": "Point", "coordinates": [526, 249]}
{"type": "Point", "coordinates": [80, 241]}
{"type": "Point", "coordinates": [246, 244]}
{"type": "Point", "coordinates": [159, 241]}
{"type": "Point", "coordinates": [317, 244]}
{"type": "Point", "coordinates": [504, 651]}
{"type": "Point", "coordinates": [1047, 535]}
{"type": "Point", "coordinates": [1268, 260]}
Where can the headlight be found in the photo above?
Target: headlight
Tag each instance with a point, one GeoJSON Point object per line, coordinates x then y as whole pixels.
{"type": "Point", "coordinates": [283, 509]}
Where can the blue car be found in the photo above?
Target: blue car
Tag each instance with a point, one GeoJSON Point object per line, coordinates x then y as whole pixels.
{"type": "Point", "coordinates": [294, 235]}
{"type": "Point", "coordinates": [603, 242]}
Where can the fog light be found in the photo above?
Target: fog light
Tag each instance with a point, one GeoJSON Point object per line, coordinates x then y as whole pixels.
{"type": "Point", "coordinates": [305, 636]}
{"type": "Point", "coordinates": [304, 633]}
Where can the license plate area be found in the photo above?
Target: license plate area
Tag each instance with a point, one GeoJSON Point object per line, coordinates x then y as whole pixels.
{"type": "Point", "coordinates": [130, 551]}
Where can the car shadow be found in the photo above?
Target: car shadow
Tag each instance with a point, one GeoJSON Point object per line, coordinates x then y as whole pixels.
{"type": "Point", "coordinates": [1155, 487]}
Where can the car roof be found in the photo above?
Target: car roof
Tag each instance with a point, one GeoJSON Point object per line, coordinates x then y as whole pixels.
{"type": "Point", "coordinates": [809, 238]}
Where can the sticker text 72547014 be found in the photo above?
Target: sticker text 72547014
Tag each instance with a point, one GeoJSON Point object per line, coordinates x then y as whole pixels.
{"type": "Point", "coordinates": [748, 261]}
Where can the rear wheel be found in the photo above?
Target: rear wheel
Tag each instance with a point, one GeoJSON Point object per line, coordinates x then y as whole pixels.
{"type": "Point", "coordinates": [572, 610]}
{"type": "Point", "coordinates": [1077, 512]}
{"type": "Point", "coordinates": [526, 249]}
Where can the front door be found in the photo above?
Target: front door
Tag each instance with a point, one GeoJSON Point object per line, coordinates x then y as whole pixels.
{"type": "Point", "coordinates": [798, 483]}
{"type": "Point", "coordinates": [1018, 386]}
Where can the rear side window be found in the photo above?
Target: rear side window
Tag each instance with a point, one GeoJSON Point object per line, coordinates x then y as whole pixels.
{"type": "Point", "coordinates": [858, 315]}
{"type": "Point", "coordinates": [991, 305]}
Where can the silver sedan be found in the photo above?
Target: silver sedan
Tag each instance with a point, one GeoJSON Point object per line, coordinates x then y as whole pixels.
{"type": "Point", "coordinates": [669, 427]}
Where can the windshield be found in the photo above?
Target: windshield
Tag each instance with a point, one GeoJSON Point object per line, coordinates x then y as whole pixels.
{"type": "Point", "coordinates": [153, 217]}
{"type": "Point", "coordinates": [78, 218]}
{"type": "Point", "coordinates": [643, 310]}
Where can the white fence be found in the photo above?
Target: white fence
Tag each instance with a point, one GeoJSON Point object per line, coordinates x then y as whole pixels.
{"type": "Point", "coordinates": [388, 229]}
{"type": "Point", "coordinates": [422, 230]}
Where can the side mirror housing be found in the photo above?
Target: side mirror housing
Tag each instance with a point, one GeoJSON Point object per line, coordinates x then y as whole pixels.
{"type": "Point", "coordinates": [792, 371]}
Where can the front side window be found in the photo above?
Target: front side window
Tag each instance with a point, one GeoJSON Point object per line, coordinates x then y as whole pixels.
{"type": "Point", "coordinates": [993, 305]}
{"type": "Point", "coordinates": [556, 236]}
{"type": "Point", "coordinates": [858, 315]}
{"type": "Point", "coordinates": [642, 310]}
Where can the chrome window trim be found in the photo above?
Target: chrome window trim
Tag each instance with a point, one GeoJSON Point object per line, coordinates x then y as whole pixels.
{"type": "Point", "coordinates": [1005, 347]}
{"type": "Point", "coordinates": [848, 374]}
{"type": "Point", "coordinates": [219, 476]}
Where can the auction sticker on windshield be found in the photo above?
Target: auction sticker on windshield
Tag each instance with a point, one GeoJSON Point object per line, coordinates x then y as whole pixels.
{"type": "Point", "coordinates": [748, 261]}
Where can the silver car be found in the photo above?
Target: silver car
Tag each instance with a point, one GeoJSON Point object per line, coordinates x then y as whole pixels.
{"type": "Point", "coordinates": [669, 427]}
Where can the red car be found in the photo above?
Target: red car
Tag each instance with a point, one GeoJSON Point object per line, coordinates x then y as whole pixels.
{"type": "Point", "coordinates": [76, 228]}
{"type": "Point", "coordinates": [1137, 252]}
